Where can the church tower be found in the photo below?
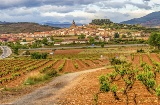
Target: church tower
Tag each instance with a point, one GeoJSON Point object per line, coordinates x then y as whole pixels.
{"type": "Point", "coordinates": [73, 25]}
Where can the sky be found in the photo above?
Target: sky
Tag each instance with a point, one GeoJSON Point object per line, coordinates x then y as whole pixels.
{"type": "Point", "coordinates": [82, 11]}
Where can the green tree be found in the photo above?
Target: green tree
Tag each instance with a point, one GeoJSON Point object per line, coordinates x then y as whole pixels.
{"type": "Point", "coordinates": [15, 50]}
{"type": "Point", "coordinates": [51, 37]}
{"type": "Point", "coordinates": [123, 36]}
{"type": "Point", "coordinates": [96, 37]}
{"type": "Point", "coordinates": [37, 55]}
{"type": "Point", "coordinates": [154, 40]}
{"type": "Point", "coordinates": [24, 40]}
{"type": "Point", "coordinates": [116, 35]}
{"type": "Point", "coordinates": [91, 40]}
{"type": "Point", "coordinates": [45, 41]}
{"type": "Point", "coordinates": [102, 44]}
{"type": "Point", "coordinates": [82, 36]}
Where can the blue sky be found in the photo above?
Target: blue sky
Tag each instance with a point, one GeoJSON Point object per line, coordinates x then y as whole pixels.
{"type": "Point", "coordinates": [82, 11]}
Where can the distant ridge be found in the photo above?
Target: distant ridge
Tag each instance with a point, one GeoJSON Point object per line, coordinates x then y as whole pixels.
{"type": "Point", "coordinates": [150, 20]}
{"type": "Point", "coordinates": [23, 27]}
{"type": "Point", "coordinates": [4, 22]}
{"type": "Point", "coordinates": [61, 25]}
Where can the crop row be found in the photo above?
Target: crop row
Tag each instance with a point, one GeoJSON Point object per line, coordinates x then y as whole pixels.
{"type": "Point", "coordinates": [126, 74]}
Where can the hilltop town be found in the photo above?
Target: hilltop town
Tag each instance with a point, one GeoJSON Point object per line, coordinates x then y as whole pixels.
{"type": "Point", "coordinates": [100, 33]}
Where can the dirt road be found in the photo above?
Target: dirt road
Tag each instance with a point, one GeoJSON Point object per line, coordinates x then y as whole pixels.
{"type": "Point", "coordinates": [48, 94]}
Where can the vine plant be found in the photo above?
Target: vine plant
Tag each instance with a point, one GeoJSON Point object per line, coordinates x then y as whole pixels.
{"type": "Point", "coordinates": [122, 71]}
{"type": "Point", "coordinates": [126, 72]}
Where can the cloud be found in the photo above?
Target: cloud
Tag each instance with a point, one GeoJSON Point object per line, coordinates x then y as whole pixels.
{"type": "Point", "coordinates": [108, 5]}
{"type": "Point", "coordinates": [89, 10]}
{"type": "Point", "coordinates": [146, 0]}
{"type": "Point", "coordinates": [23, 11]}
{"type": "Point", "coordinates": [119, 5]}
{"type": "Point", "coordinates": [141, 6]}
{"type": "Point", "coordinates": [59, 9]}
{"type": "Point", "coordinates": [35, 3]}
{"type": "Point", "coordinates": [81, 10]}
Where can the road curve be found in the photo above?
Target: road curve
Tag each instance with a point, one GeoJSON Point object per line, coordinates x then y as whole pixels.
{"type": "Point", "coordinates": [47, 95]}
{"type": "Point", "coordinates": [6, 52]}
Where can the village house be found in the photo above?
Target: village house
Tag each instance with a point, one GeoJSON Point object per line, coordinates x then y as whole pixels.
{"type": "Point", "coordinates": [3, 40]}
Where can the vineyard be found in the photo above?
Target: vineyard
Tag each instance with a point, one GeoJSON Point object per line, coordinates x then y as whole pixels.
{"type": "Point", "coordinates": [136, 82]}
{"type": "Point", "coordinates": [93, 53]}
{"type": "Point", "coordinates": [14, 72]}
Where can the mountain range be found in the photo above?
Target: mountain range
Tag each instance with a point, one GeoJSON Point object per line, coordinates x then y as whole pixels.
{"type": "Point", "coordinates": [23, 27]}
{"type": "Point", "coordinates": [59, 24]}
{"type": "Point", "coordinates": [150, 20]}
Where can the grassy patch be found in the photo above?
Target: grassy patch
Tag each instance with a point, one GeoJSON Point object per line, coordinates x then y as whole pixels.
{"type": "Point", "coordinates": [35, 79]}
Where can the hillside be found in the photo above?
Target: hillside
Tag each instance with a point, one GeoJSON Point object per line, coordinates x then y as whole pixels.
{"type": "Point", "coordinates": [150, 20]}
{"type": "Point", "coordinates": [24, 27]}
{"type": "Point", "coordinates": [4, 22]}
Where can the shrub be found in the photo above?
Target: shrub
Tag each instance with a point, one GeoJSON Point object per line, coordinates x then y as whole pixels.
{"type": "Point", "coordinates": [114, 88]}
{"type": "Point", "coordinates": [76, 66]}
{"type": "Point", "coordinates": [37, 55]}
{"type": "Point", "coordinates": [115, 61]}
{"type": "Point", "coordinates": [158, 91]}
{"type": "Point", "coordinates": [40, 78]}
{"type": "Point", "coordinates": [33, 80]}
{"type": "Point", "coordinates": [51, 73]}
{"type": "Point", "coordinates": [105, 86]}
{"type": "Point", "coordinates": [140, 51]}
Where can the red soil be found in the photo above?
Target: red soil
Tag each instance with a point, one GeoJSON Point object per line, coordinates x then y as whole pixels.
{"type": "Point", "coordinates": [69, 67]}
{"type": "Point", "coordinates": [91, 64]}
{"type": "Point", "coordinates": [58, 63]}
{"type": "Point", "coordinates": [129, 58]}
{"type": "Point", "coordinates": [136, 60]}
{"type": "Point", "coordinates": [82, 93]}
{"type": "Point", "coordinates": [155, 57]}
{"type": "Point", "coordinates": [105, 61]}
{"type": "Point", "coordinates": [146, 59]}
{"type": "Point", "coordinates": [81, 65]}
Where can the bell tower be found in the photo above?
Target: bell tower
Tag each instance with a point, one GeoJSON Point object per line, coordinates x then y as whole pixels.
{"type": "Point", "coordinates": [73, 25]}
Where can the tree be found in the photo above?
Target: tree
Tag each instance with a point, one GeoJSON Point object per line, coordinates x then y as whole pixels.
{"type": "Point", "coordinates": [82, 36]}
{"type": "Point", "coordinates": [91, 40]}
{"type": "Point", "coordinates": [51, 37]}
{"type": "Point", "coordinates": [123, 36]}
{"type": "Point", "coordinates": [44, 55]}
{"type": "Point", "coordinates": [24, 40]}
{"type": "Point", "coordinates": [15, 50]}
{"type": "Point", "coordinates": [45, 41]}
{"type": "Point", "coordinates": [102, 44]}
{"type": "Point", "coordinates": [154, 40]}
{"type": "Point", "coordinates": [116, 35]}
{"type": "Point", "coordinates": [96, 37]}
{"type": "Point", "coordinates": [37, 55]}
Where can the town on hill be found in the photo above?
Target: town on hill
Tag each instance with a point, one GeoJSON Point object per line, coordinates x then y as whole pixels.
{"type": "Point", "coordinates": [99, 30]}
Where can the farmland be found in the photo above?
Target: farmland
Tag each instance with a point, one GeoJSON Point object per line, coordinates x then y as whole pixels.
{"type": "Point", "coordinates": [18, 72]}
{"type": "Point", "coordinates": [84, 92]}
{"type": "Point", "coordinates": [14, 72]}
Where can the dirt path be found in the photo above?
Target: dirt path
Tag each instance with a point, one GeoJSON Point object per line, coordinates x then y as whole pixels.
{"type": "Point", "coordinates": [48, 94]}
